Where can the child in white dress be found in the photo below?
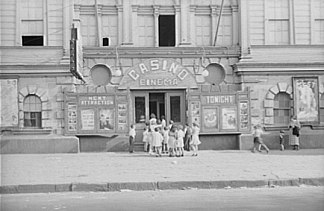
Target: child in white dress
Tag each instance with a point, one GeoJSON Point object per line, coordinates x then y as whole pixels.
{"type": "Point", "coordinates": [165, 133]}
{"type": "Point", "coordinates": [195, 139]}
{"type": "Point", "coordinates": [145, 138]}
{"type": "Point", "coordinates": [157, 141]}
{"type": "Point", "coordinates": [180, 144]}
{"type": "Point", "coordinates": [172, 140]}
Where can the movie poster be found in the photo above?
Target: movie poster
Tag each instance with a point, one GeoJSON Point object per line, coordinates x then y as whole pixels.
{"type": "Point", "coordinates": [244, 115]}
{"type": "Point", "coordinates": [229, 118]}
{"type": "Point", "coordinates": [106, 119]}
{"type": "Point", "coordinates": [87, 119]}
{"type": "Point", "coordinates": [195, 112]}
{"type": "Point", "coordinates": [210, 118]}
{"type": "Point", "coordinates": [72, 118]}
{"type": "Point", "coordinates": [306, 99]}
{"type": "Point", "coordinates": [8, 102]}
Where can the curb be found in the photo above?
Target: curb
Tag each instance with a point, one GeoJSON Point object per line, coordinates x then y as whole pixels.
{"type": "Point", "coordinates": [149, 186]}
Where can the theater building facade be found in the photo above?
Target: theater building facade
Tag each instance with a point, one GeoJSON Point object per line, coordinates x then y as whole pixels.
{"type": "Point", "coordinates": [91, 69]}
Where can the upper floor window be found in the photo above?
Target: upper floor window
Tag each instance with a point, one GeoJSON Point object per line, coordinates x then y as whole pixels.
{"type": "Point", "coordinates": [32, 23]}
{"type": "Point", "coordinates": [203, 30]}
{"type": "Point", "coordinates": [145, 25]}
{"type": "Point", "coordinates": [88, 30]}
{"type": "Point", "coordinates": [166, 30]}
{"type": "Point", "coordinates": [318, 22]}
{"type": "Point", "coordinates": [281, 109]}
{"type": "Point", "coordinates": [32, 112]}
{"type": "Point", "coordinates": [278, 22]}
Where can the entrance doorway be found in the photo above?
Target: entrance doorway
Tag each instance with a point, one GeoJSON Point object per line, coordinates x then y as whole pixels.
{"type": "Point", "coordinates": [167, 103]}
{"type": "Point", "coordinates": [157, 104]}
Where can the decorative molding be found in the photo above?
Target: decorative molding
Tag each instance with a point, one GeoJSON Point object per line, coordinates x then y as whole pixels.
{"type": "Point", "coordinates": [181, 52]}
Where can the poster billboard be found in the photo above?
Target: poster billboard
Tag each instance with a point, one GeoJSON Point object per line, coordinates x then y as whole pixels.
{"type": "Point", "coordinates": [8, 103]}
{"type": "Point", "coordinates": [229, 118]}
{"type": "Point", "coordinates": [306, 99]}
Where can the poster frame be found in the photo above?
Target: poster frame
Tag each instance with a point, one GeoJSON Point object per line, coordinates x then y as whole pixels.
{"type": "Point", "coordinates": [222, 115]}
{"type": "Point", "coordinates": [297, 100]}
{"type": "Point", "coordinates": [203, 126]}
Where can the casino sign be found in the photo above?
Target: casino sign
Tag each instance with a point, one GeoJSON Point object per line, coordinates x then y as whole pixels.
{"type": "Point", "coordinates": [158, 74]}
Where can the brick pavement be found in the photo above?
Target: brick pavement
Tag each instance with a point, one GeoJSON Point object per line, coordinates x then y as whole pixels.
{"type": "Point", "coordinates": [21, 173]}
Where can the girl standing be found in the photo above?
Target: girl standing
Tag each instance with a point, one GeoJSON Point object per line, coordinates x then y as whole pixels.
{"type": "Point", "coordinates": [145, 138]}
{"type": "Point", "coordinates": [195, 139]}
{"type": "Point", "coordinates": [157, 141]}
{"type": "Point", "coordinates": [294, 133]}
{"type": "Point", "coordinates": [172, 140]}
{"type": "Point", "coordinates": [180, 144]}
{"type": "Point", "coordinates": [165, 134]}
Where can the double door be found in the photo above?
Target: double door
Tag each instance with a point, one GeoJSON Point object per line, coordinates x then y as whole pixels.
{"type": "Point", "coordinates": [170, 104]}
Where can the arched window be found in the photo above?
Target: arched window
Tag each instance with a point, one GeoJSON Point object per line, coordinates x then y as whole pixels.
{"type": "Point", "coordinates": [32, 111]}
{"type": "Point", "coordinates": [281, 109]}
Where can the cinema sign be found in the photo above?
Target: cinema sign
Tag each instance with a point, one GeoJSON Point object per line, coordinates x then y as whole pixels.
{"type": "Point", "coordinates": [158, 74]}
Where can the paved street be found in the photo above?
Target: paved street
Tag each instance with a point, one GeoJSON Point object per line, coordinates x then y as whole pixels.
{"type": "Point", "coordinates": [288, 198]}
{"type": "Point", "coordinates": [74, 172]}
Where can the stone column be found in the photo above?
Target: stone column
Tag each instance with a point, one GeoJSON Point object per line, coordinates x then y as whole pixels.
{"type": "Point", "coordinates": [156, 26]}
{"type": "Point", "coordinates": [213, 14]}
{"type": "Point", "coordinates": [192, 34]}
{"type": "Point", "coordinates": [235, 28]}
{"type": "Point", "coordinates": [67, 25]}
{"type": "Point", "coordinates": [184, 23]}
{"type": "Point", "coordinates": [120, 24]}
{"type": "Point", "coordinates": [177, 24]}
{"type": "Point", "coordinates": [126, 23]}
{"type": "Point", "coordinates": [134, 31]}
{"type": "Point", "coordinates": [244, 29]}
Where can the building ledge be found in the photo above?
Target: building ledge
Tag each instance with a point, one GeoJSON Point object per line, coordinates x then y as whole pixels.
{"type": "Point", "coordinates": [26, 131]}
{"type": "Point", "coordinates": [95, 52]}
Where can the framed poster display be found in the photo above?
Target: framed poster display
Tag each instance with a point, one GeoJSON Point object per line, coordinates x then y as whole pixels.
{"type": "Point", "coordinates": [229, 115]}
{"type": "Point", "coordinates": [195, 112]}
{"type": "Point", "coordinates": [122, 116]}
{"type": "Point", "coordinates": [210, 118]}
{"type": "Point", "coordinates": [72, 118]}
{"type": "Point", "coordinates": [244, 115]}
{"type": "Point", "coordinates": [306, 99]}
{"type": "Point", "coordinates": [106, 119]}
{"type": "Point", "coordinates": [9, 104]}
{"type": "Point", "coordinates": [87, 119]}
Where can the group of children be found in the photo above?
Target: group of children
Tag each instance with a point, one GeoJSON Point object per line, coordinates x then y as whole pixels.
{"type": "Point", "coordinates": [258, 142]}
{"type": "Point", "coordinates": [172, 139]}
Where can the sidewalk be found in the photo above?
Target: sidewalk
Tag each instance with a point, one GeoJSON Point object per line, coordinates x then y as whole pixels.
{"type": "Point", "coordinates": [30, 173]}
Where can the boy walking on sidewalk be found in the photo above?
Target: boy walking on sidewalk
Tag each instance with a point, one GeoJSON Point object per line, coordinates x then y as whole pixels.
{"type": "Point", "coordinates": [132, 134]}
